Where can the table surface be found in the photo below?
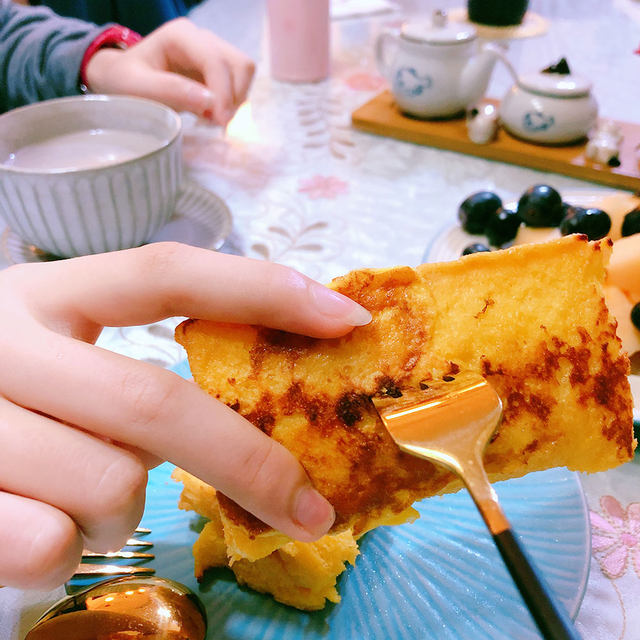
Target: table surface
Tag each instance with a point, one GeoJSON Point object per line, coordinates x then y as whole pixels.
{"type": "Point", "coordinates": [307, 190]}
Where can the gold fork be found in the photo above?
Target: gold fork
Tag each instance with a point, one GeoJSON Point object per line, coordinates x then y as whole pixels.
{"type": "Point", "coordinates": [95, 569]}
{"type": "Point", "coordinates": [451, 422]}
{"type": "Point", "coordinates": [86, 569]}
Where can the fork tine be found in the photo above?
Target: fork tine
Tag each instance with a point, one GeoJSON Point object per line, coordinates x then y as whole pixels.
{"type": "Point", "coordinates": [131, 542]}
{"type": "Point", "coordinates": [134, 542]}
{"type": "Point", "coordinates": [88, 569]}
{"type": "Point", "coordinates": [93, 569]}
{"type": "Point", "coordinates": [117, 554]}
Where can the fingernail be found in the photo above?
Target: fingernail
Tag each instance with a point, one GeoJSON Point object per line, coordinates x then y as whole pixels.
{"type": "Point", "coordinates": [335, 305]}
{"type": "Point", "coordinates": [200, 97]}
{"type": "Point", "coordinates": [312, 512]}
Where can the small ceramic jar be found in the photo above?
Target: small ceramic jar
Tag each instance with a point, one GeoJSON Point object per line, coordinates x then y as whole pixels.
{"type": "Point", "coordinates": [549, 108]}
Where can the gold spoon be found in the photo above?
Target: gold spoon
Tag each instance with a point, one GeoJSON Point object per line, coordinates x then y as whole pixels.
{"type": "Point", "coordinates": [145, 607]}
{"type": "Point", "coordinates": [451, 422]}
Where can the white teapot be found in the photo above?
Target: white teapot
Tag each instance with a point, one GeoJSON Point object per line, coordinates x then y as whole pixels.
{"type": "Point", "coordinates": [436, 69]}
{"type": "Point", "coordinates": [553, 106]}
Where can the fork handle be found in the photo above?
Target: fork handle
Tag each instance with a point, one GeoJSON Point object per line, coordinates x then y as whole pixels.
{"type": "Point", "coordinates": [551, 618]}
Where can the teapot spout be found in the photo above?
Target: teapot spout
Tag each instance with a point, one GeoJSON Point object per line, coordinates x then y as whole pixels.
{"type": "Point", "coordinates": [475, 76]}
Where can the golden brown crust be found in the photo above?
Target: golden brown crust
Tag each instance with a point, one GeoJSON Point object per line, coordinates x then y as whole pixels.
{"type": "Point", "coordinates": [531, 319]}
{"type": "Point", "coordinates": [300, 574]}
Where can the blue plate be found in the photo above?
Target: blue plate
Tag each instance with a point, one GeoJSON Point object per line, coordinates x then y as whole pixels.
{"type": "Point", "coordinates": [440, 577]}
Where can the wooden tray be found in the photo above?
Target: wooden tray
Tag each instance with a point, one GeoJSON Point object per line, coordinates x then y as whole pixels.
{"type": "Point", "coordinates": [381, 116]}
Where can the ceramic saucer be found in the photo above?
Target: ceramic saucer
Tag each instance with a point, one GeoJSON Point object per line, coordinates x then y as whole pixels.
{"type": "Point", "coordinates": [200, 219]}
{"type": "Point", "coordinates": [532, 25]}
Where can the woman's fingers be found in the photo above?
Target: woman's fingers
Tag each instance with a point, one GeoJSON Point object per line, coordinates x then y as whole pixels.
{"type": "Point", "coordinates": [40, 546]}
{"type": "Point", "coordinates": [100, 486]}
{"type": "Point", "coordinates": [181, 65]}
{"type": "Point", "coordinates": [225, 70]}
{"type": "Point", "coordinates": [200, 54]}
{"type": "Point", "coordinates": [241, 76]}
{"type": "Point", "coordinates": [219, 81]}
{"type": "Point", "coordinates": [143, 285]}
{"type": "Point", "coordinates": [111, 71]}
{"type": "Point", "coordinates": [153, 409]}
{"type": "Point", "coordinates": [175, 90]}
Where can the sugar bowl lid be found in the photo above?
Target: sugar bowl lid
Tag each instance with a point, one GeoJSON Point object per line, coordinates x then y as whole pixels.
{"type": "Point", "coordinates": [556, 80]}
{"type": "Point", "coordinates": [438, 31]}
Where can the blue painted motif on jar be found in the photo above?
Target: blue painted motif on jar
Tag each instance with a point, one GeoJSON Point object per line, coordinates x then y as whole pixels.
{"type": "Point", "coordinates": [409, 82]}
{"type": "Point", "coordinates": [537, 121]}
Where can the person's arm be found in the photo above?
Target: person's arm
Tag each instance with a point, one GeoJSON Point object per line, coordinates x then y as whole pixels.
{"type": "Point", "coordinates": [40, 54]}
{"type": "Point", "coordinates": [181, 65]}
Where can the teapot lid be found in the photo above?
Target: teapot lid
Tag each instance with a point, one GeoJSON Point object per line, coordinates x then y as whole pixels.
{"type": "Point", "coordinates": [556, 80]}
{"type": "Point", "coordinates": [438, 31]}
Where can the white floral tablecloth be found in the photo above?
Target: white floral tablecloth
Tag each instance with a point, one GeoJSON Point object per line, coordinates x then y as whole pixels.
{"type": "Point", "coordinates": [307, 190]}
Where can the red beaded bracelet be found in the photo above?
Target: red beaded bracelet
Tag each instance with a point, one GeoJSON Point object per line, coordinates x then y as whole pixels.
{"type": "Point", "coordinates": [115, 36]}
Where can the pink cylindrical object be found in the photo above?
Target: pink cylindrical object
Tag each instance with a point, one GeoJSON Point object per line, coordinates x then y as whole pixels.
{"type": "Point", "coordinates": [299, 39]}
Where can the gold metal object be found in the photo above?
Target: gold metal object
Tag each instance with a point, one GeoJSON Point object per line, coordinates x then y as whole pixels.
{"type": "Point", "coordinates": [132, 607]}
{"type": "Point", "coordinates": [450, 421]}
{"type": "Point", "coordinates": [127, 555]}
{"type": "Point", "coordinates": [134, 542]}
{"type": "Point", "coordinates": [90, 569]}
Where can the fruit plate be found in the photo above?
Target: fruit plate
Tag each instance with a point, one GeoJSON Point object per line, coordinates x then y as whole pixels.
{"type": "Point", "coordinates": [448, 243]}
{"type": "Point", "coordinates": [440, 577]}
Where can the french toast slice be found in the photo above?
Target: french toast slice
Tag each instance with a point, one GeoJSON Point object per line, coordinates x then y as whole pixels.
{"type": "Point", "coordinates": [531, 319]}
{"type": "Point", "coordinates": [299, 574]}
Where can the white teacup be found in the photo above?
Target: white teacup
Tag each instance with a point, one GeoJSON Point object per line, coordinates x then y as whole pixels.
{"type": "Point", "coordinates": [89, 174]}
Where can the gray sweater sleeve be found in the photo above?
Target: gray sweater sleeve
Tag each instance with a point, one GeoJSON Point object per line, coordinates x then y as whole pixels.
{"type": "Point", "coordinates": [40, 54]}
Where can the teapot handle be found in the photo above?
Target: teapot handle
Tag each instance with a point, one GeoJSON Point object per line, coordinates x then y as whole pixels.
{"type": "Point", "coordinates": [382, 52]}
{"type": "Point", "coordinates": [500, 52]}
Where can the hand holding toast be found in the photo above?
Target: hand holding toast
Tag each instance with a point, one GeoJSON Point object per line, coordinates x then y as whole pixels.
{"type": "Point", "coordinates": [80, 425]}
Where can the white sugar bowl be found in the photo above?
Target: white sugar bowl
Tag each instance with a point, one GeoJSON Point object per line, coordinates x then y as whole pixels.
{"type": "Point", "coordinates": [549, 108]}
